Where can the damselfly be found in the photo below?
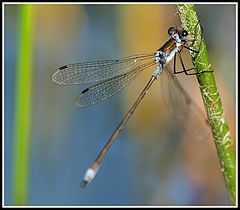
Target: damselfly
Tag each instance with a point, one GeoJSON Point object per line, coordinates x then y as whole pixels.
{"type": "Point", "coordinates": [110, 76]}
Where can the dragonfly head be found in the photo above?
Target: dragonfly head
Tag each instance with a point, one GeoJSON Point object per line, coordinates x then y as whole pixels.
{"type": "Point", "coordinates": [177, 34]}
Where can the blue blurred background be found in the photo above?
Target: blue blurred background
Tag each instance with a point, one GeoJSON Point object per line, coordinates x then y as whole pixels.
{"type": "Point", "coordinates": [152, 162]}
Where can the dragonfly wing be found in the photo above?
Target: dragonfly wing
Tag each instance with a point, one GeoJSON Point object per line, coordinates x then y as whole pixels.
{"type": "Point", "coordinates": [96, 71]}
{"type": "Point", "coordinates": [183, 107]}
{"type": "Point", "coordinates": [109, 87]}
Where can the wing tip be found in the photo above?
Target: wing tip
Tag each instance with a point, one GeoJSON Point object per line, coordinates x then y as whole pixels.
{"type": "Point", "coordinates": [78, 103]}
{"type": "Point", "coordinates": [57, 76]}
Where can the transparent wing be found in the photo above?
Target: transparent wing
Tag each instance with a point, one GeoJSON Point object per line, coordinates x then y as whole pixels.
{"type": "Point", "coordinates": [96, 71]}
{"type": "Point", "coordinates": [107, 88]}
{"type": "Point", "coordinates": [183, 107]}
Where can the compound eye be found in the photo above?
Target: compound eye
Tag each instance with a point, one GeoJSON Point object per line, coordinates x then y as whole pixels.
{"type": "Point", "coordinates": [184, 33]}
{"type": "Point", "coordinates": [172, 31]}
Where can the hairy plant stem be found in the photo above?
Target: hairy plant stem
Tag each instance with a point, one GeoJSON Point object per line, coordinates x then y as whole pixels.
{"type": "Point", "coordinates": [211, 99]}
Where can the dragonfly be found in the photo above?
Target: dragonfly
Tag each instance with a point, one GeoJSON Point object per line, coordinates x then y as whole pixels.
{"type": "Point", "coordinates": [111, 76]}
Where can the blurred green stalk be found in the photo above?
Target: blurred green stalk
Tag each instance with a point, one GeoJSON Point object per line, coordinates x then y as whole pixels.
{"type": "Point", "coordinates": [22, 107]}
{"type": "Point", "coordinates": [212, 100]}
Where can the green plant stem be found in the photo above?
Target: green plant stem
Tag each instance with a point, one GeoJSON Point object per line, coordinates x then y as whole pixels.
{"type": "Point", "coordinates": [22, 107]}
{"type": "Point", "coordinates": [211, 99]}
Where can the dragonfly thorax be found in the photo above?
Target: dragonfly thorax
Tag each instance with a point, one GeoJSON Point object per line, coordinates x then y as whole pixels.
{"type": "Point", "coordinates": [166, 53]}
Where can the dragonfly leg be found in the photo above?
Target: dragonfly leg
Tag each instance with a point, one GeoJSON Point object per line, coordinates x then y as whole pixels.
{"type": "Point", "coordinates": [186, 71]}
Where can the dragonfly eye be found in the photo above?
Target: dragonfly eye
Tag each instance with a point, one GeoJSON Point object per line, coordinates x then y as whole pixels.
{"type": "Point", "coordinates": [172, 31]}
{"type": "Point", "coordinates": [184, 34]}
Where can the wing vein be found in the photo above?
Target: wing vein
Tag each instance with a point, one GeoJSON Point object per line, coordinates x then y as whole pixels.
{"type": "Point", "coordinates": [96, 71]}
{"type": "Point", "coordinates": [109, 87]}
